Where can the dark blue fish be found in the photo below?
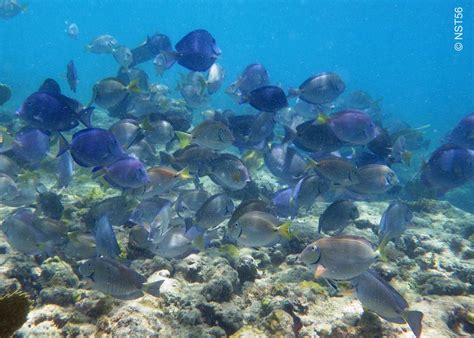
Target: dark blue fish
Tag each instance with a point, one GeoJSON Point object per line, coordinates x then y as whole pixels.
{"type": "Point", "coordinates": [286, 201]}
{"type": "Point", "coordinates": [106, 242]}
{"type": "Point", "coordinates": [31, 145]}
{"type": "Point", "coordinates": [463, 133]}
{"type": "Point", "coordinates": [267, 98]}
{"type": "Point", "coordinates": [95, 147]}
{"type": "Point", "coordinates": [49, 110]}
{"type": "Point", "coordinates": [381, 145]}
{"type": "Point", "coordinates": [127, 173]}
{"type": "Point", "coordinates": [450, 166]}
{"type": "Point", "coordinates": [65, 170]}
{"type": "Point", "coordinates": [285, 162]}
{"type": "Point", "coordinates": [72, 76]}
{"type": "Point", "coordinates": [197, 51]}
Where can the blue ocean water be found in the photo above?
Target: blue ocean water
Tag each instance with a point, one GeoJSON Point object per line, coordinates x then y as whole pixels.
{"type": "Point", "coordinates": [401, 51]}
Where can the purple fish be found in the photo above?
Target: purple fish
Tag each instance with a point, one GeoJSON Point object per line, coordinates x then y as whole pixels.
{"type": "Point", "coordinates": [49, 110]}
{"type": "Point", "coordinates": [197, 51]}
{"type": "Point", "coordinates": [267, 98]}
{"type": "Point", "coordinates": [31, 145]}
{"type": "Point", "coordinates": [353, 126]}
{"type": "Point", "coordinates": [450, 166]}
{"type": "Point", "coordinates": [463, 133]}
{"type": "Point", "coordinates": [95, 147]}
{"type": "Point", "coordinates": [286, 201]}
{"type": "Point", "coordinates": [72, 76]}
{"type": "Point", "coordinates": [126, 173]}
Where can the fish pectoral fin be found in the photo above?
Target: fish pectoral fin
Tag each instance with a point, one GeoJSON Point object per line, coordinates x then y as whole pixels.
{"type": "Point", "coordinates": [414, 318]}
{"type": "Point", "coordinates": [320, 270]}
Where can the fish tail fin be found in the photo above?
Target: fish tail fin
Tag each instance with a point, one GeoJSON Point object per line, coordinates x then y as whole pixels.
{"type": "Point", "coordinates": [231, 249]}
{"type": "Point", "coordinates": [184, 139]}
{"type": "Point", "coordinates": [146, 124]}
{"type": "Point", "coordinates": [381, 248]}
{"type": "Point", "coordinates": [284, 230]}
{"type": "Point", "coordinates": [414, 318]}
{"type": "Point", "coordinates": [133, 87]}
{"type": "Point", "coordinates": [170, 57]}
{"type": "Point", "coordinates": [165, 158]}
{"type": "Point", "coordinates": [290, 134]}
{"type": "Point", "coordinates": [311, 164]}
{"type": "Point", "coordinates": [63, 145]}
{"type": "Point", "coordinates": [321, 118]}
{"type": "Point", "coordinates": [407, 156]}
{"type": "Point", "coordinates": [153, 288]}
{"type": "Point", "coordinates": [98, 171]}
{"type": "Point", "coordinates": [85, 116]}
{"type": "Point", "coordinates": [293, 92]}
{"type": "Point", "coordinates": [184, 174]}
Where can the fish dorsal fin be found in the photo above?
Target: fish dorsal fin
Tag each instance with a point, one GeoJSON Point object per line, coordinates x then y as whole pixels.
{"type": "Point", "coordinates": [50, 86]}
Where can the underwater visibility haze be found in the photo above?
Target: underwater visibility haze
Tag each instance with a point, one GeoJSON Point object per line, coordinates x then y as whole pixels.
{"type": "Point", "coordinates": [237, 168]}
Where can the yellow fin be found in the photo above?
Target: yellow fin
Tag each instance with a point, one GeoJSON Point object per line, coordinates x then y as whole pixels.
{"type": "Point", "coordinates": [146, 125]}
{"type": "Point", "coordinates": [199, 242]}
{"type": "Point", "coordinates": [381, 248]}
{"type": "Point", "coordinates": [321, 118]}
{"type": "Point", "coordinates": [184, 139]}
{"type": "Point", "coordinates": [184, 174]}
{"type": "Point", "coordinates": [406, 156]}
{"type": "Point", "coordinates": [311, 164]}
{"type": "Point", "coordinates": [284, 230]}
{"type": "Point", "coordinates": [133, 87]}
{"type": "Point", "coordinates": [231, 249]}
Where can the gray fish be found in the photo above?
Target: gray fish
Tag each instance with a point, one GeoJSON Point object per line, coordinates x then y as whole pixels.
{"type": "Point", "coordinates": [311, 187]}
{"type": "Point", "coordinates": [158, 131]}
{"type": "Point", "coordinates": [252, 77]}
{"type": "Point", "coordinates": [72, 29]}
{"type": "Point", "coordinates": [337, 216]}
{"type": "Point", "coordinates": [320, 89]}
{"type": "Point", "coordinates": [71, 76]}
{"type": "Point", "coordinates": [229, 172]}
{"type": "Point", "coordinates": [5, 94]}
{"type": "Point", "coordinates": [11, 8]}
{"type": "Point", "coordinates": [339, 257]}
{"type": "Point", "coordinates": [215, 78]}
{"type": "Point", "coordinates": [80, 246]}
{"type": "Point", "coordinates": [194, 157]}
{"type": "Point", "coordinates": [337, 170]}
{"type": "Point", "coordinates": [65, 170]}
{"type": "Point", "coordinates": [189, 202]}
{"type": "Point", "coordinates": [193, 89]}
{"type": "Point", "coordinates": [214, 211]}
{"type": "Point", "coordinates": [127, 132]}
{"type": "Point", "coordinates": [106, 242]}
{"type": "Point", "coordinates": [258, 229]}
{"type": "Point", "coordinates": [247, 206]}
{"type": "Point", "coordinates": [378, 296]}
{"type": "Point", "coordinates": [8, 188]}
{"type": "Point", "coordinates": [111, 277]}
{"type": "Point", "coordinates": [154, 215]}
{"type": "Point", "coordinates": [210, 134]}
{"type": "Point", "coordinates": [123, 55]}
{"type": "Point", "coordinates": [110, 92]}
{"type": "Point", "coordinates": [393, 221]}
{"type": "Point", "coordinates": [375, 179]}
{"type": "Point", "coordinates": [174, 244]}
{"type": "Point", "coordinates": [8, 166]}
{"type": "Point", "coordinates": [284, 162]}
{"type": "Point", "coordinates": [103, 44]}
